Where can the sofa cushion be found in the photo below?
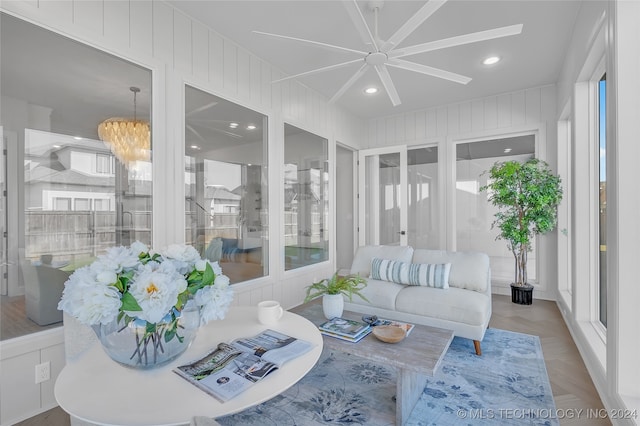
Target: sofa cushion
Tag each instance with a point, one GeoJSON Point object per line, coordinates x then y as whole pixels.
{"type": "Point", "coordinates": [381, 294]}
{"type": "Point", "coordinates": [469, 270]}
{"type": "Point", "coordinates": [455, 304]}
{"type": "Point", "coordinates": [362, 260]}
{"type": "Point", "coordinates": [430, 275]}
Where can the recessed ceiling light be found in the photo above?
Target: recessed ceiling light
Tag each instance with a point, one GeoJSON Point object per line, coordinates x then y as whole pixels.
{"type": "Point", "coordinates": [251, 127]}
{"type": "Point", "coordinates": [233, 125]}
{"type": "Point", "coordinates": [507, 150]}
{"type": "Point", "coordinates": [78, 138]}
{"type": "Point", "coordinates": [195, 147]}
{"type": "Point", "coordinates": [56, 146]}
{"type": "Point", "coordinates": [491, 60]}
{"type": "Point", "coordinates": [371, 90]}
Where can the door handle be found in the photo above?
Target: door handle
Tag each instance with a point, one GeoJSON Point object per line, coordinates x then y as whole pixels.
{"type": "Point", "coordinates": [402, 232]}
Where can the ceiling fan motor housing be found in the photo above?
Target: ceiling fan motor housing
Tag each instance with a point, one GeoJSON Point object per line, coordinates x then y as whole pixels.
{"type": "Point", "coordinates": [376, 58]}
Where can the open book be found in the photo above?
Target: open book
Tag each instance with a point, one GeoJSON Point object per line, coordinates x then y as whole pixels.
{"type": "Point", "coordinates": [232, 367]}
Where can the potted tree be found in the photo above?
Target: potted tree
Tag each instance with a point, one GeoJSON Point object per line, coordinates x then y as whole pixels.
{"type": "Point", "coordinates": [527, 195]}
{"type": "Point", "coordinates": [332, 289]}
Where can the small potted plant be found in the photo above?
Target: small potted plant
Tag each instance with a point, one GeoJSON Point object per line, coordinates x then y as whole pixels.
{"type": "Point", "coordinates": [527, 195]}
{"type": "Point", "coordinates": [332, 289]}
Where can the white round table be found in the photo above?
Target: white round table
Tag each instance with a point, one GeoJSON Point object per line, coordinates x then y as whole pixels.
{"type": "Point", "coordinates": [96, 389]}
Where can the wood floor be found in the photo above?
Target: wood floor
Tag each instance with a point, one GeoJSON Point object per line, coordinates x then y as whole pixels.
{"type": "Point", "coordinates": [571, 385]}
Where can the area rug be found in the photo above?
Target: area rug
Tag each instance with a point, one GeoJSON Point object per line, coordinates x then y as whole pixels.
{"type": "Point", "coordinates": [507, 385]}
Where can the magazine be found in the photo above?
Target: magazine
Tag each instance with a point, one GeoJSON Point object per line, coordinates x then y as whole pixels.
{"type": "Point", "coordinates": [233, 367]}
{"type": "Point", "coordinates": [407, 327]}
{"type": "Point", "coordinates": [344, 327]}
{"type": "Point", "coordinates": [348, 339]}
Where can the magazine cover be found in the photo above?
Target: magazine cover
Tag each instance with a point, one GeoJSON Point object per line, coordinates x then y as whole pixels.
{"type": "Point", "coordinates": [344, 327]}
{"type": "Point", "coordinates": [231, 368]}
{"type": "Point", "coordinates": [348, 339]}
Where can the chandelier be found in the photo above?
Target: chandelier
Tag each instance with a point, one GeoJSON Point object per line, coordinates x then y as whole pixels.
{"type": "Point", "coordinates": [129, 140]}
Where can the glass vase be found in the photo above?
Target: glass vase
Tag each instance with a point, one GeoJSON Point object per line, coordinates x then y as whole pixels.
{"type": "Point", "coordinates": [142, 345]}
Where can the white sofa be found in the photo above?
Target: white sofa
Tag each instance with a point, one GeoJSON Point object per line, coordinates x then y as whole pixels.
{"type": "Point", "coordinates": [464, 307]}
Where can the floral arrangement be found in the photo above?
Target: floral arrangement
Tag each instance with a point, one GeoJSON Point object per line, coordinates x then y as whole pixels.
{"type": "Point", "coordinates": [135, 283]}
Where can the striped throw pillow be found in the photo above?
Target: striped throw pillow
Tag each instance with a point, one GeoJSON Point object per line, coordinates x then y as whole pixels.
{"type": "Point", "coordinates": [429, 275]}
{"type": "Point", "coordinates": [390, 270]}
{"type": "Point", "coordinates": [421, 274]}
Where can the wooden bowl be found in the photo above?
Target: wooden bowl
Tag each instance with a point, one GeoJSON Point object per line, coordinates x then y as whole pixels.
{"type": "Point", "coordinates": [389, 333]}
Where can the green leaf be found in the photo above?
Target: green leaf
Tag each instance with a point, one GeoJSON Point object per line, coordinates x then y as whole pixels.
{"type": "Point", "coordinates": [208, 276]}
{"type": "Point", "coordinates": [347, 285]}
{"type": "Point", "coordinates": [129, 303]}
{"type": "Point", "coordinates": [170, 334]}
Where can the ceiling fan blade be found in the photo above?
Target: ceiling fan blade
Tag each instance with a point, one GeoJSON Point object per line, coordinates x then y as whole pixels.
{"type": "Point", "coordinates": [385, 77]}
{"type": "Point", "coordinates": [195, 132]}
{"type": "Point", "coordinates": [457, 41]}
{"type": "Point", "coordinates": [425, 69]}
{"type": "Point", "coordinates": [214, 129]}
{"type": "Point", "coordinates": [330, 67]}
{"type": "Point", "coordinates": [349, 83]}
{"type": "Point", "coordinates": [412, 24]}
{"type": "Point", "coordinates": [202, 108]}
{"type": "Point", "coordinates": [317, 43]}
{"type": "Point", "coordinates": [360, 23]}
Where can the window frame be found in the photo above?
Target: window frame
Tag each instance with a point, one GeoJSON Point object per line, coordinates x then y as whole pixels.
{"type": "Point", "coordinates": [594, 171]}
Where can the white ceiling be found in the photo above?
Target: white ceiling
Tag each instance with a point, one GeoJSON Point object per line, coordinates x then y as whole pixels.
{"type": "Point", "coordinates": [532, 58]}
{"type": "Point", "coordinates": [84, 86]}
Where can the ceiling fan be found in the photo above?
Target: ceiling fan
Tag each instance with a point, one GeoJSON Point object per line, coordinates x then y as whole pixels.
{"type": "Point", "coordinates": [386, 53]}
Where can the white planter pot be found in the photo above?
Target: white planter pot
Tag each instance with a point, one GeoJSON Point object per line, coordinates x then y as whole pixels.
{"type": "Point", "coordinates": [332, 305]}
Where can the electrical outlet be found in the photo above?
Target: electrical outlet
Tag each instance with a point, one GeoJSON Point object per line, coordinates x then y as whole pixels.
{"type": "Point", "coordinates": [43, 372]}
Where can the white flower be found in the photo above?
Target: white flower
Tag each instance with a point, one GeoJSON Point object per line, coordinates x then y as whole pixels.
{"type": "Point", "coordinates": [201, 265]}
{"type": "Point", "coordinates": [182, 256]}
{"type": "Point", "coordinates": [88, 299]}
{"type": "Point", "coordinates": [107, 277]}
{"type": "Point", "coordinates": [216, 268]}
{"type": "Point", "coordinates": [213, 301]}
{"type": "Point", "coordinates": [182, 253]}
{"type": "Point", "coordinates": [93, 294]}
{"type": "Point", "coordinates": [221, 281]}
{"type": "Point", "coordinates": [156, 292]}
{"type": "Point", "coordinates": [119, 259]}
{"type": "Point", "coordinates": [138, 247]}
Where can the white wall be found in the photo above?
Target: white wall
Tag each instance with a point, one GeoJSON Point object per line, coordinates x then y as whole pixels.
{"type": "Point", "coordinates": [530, 111]}
{"type": "Point", "coordinates": [180, 50]}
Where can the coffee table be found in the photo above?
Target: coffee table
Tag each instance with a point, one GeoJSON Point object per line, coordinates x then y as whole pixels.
{"type": "Point", "coordinates": [415, 358]}
{"type": "Point", "coordinates": [99, 391]}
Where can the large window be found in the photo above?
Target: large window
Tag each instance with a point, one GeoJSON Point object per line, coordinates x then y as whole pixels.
{"type": "Point", "coordinates": [602, 203]}
{"type": "Point", "coordinates": [474, 213]}
{"type": "Point", "coordinates": [306, 204]}
{"type": "Point", "coordinates": [226, 184]}
{"type": "Point", "coordinates": [66, 203]}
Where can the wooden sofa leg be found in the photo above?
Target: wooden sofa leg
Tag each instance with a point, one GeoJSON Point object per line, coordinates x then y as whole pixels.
{"type": "Point", "coordinates": [476, 344]}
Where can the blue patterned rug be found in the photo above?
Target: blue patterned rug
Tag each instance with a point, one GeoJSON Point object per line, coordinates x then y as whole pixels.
{"type": "Point", "coordinates": [507, 385]}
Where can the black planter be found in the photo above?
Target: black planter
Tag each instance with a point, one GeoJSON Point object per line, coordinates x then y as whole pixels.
{"type": "Point", "coordinates": [522, 295]}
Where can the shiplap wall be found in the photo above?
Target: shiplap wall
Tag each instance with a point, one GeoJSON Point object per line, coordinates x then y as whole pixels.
{"type": "Point", "coordinates": [505, 113]}
{"type": "Point", "coordinates": [179, 50]}
{"type": "Point", "coordinates": [527, 111]}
